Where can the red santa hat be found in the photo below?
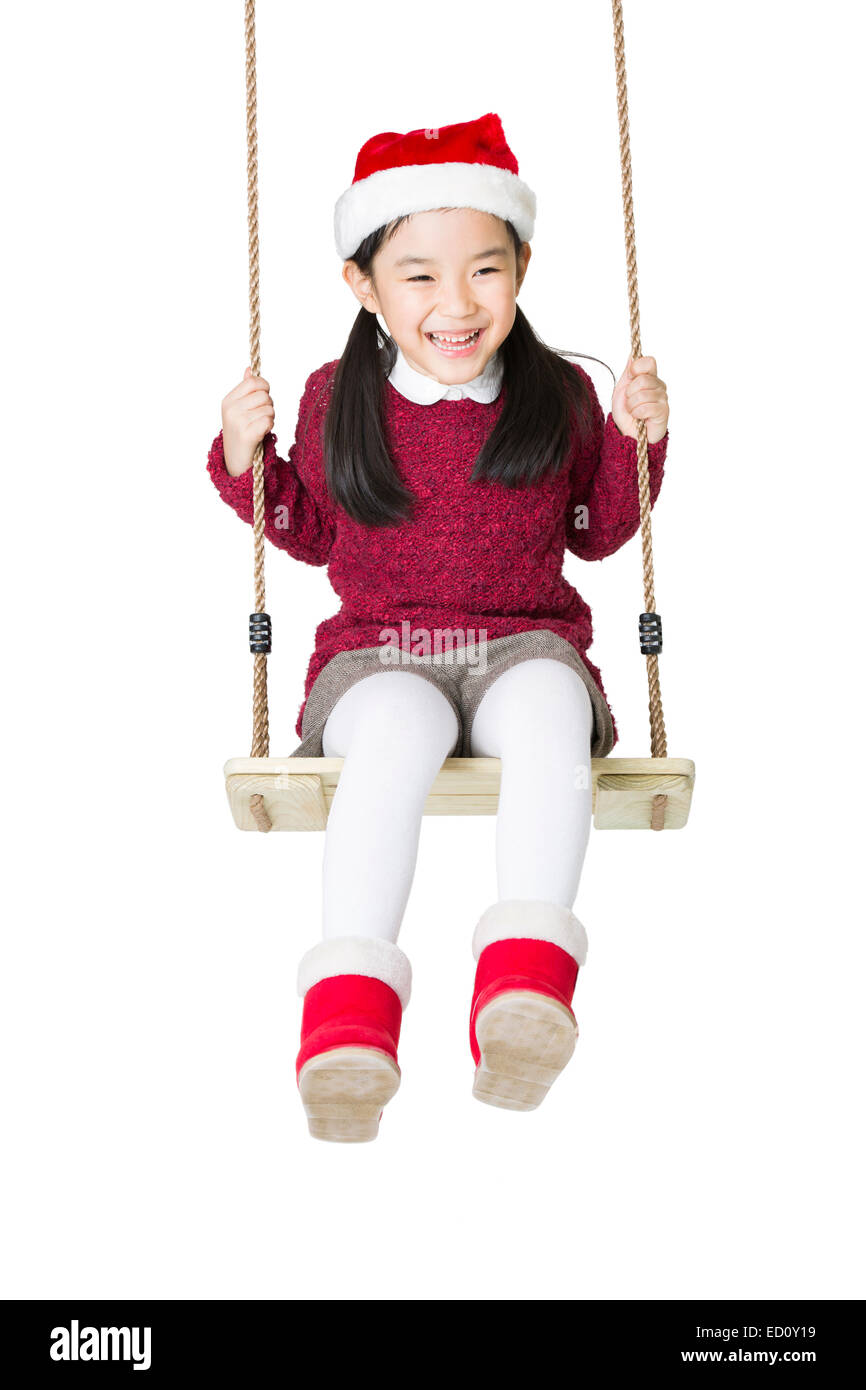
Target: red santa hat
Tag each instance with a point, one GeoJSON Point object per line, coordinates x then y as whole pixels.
{"type": "Point", "coordinates": [465, 165]}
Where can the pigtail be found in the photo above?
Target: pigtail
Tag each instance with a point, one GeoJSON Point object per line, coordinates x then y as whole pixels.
{"type": "Point", "coordinates": [360, 475]}
{"type": "Point", "coordinates": [544, 399]}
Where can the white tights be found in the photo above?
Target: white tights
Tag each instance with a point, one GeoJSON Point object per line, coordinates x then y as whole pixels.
{"type": "Point", "coordinates": [394, 730]}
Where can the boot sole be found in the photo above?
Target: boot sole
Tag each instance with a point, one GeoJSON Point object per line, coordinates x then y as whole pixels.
{"type": "Point", "coordinates": [525, 1040]}
{"type": "Point", "coordinates": [344, 1090]}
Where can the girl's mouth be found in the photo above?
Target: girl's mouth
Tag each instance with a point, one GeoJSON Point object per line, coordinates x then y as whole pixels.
{"type": "Point", "coordinates": [456, 344]}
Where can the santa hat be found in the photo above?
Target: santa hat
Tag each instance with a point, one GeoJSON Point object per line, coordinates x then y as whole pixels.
{"type": "Point", "coordinates": [466, 165]}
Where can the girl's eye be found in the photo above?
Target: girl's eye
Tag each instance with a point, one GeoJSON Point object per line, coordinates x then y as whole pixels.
{"type": "Point", "coordinates": [493, 269]}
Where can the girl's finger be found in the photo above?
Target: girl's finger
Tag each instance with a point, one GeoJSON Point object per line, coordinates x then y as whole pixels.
{"type": "Point", "coordinates": [262, 421]}
{"type": "Point", "coordinates": [643, 383]}
{"type": "Point", "coordinates": [648, 393]}
{"type": "Point", "coordinates": [243, 388]}
{"type": "Point", "coordinates": [256, 399]}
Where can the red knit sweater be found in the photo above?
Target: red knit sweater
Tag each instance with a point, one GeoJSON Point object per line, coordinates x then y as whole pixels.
{"type": "Point", "coordinates": [477, 555]}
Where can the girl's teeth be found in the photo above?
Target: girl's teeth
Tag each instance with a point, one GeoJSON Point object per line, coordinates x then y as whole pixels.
{"type": "Point", "coordinates": [454, 340]}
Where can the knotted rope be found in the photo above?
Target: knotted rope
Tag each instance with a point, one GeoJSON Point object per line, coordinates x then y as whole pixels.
{"type": "Point", "coordinates": [658, 737]}
{"type": "Point", "coordinates": [261, 737]}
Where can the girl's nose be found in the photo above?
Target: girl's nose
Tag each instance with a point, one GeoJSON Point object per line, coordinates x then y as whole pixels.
{"type": "Point", "coordinates": [456, 300]}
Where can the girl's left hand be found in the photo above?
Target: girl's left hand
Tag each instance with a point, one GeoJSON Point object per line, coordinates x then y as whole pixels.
{"type": "Point", "coordinates": [640, 395]}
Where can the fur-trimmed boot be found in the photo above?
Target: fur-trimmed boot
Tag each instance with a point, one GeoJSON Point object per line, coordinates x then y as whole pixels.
{"type": "Point", "coordinates": [354, 990]}
{"type": "Point", "coordinates": [521, 1028]}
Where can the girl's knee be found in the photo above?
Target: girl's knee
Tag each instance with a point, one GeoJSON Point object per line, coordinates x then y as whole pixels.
{"type": "Point", "coordinates": [538, 701]}
{"type": "Point", "coordinates": [395, 709]}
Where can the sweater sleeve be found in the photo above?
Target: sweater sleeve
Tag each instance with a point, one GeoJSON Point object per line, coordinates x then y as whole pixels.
{"type": "Point", "coordinates": [605, 487]}
{"type": "Point", "coordinates": [294, 520]}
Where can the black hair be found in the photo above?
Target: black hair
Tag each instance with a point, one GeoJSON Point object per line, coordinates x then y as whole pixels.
{"type": "Point", "coordinates": [531, 435]}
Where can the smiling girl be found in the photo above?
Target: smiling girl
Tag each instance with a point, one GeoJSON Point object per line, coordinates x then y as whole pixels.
{"type": "Point", "coordinates": [441, 467]}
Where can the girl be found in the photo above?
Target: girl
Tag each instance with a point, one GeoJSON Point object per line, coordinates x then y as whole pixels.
{"type": "Point", "coordinates": [440, 468]}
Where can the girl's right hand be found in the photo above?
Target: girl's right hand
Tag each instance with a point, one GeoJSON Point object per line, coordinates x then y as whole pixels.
{"type": "Point", "coordinates": [248, 415]}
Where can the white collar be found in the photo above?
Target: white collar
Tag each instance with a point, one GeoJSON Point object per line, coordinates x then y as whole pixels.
{"type": "Point", "coordinates": [424, 390]}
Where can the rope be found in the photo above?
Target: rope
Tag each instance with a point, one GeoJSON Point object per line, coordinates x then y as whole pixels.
{"type": "Point", "coordinates": [658, 738]}
{"type": "Point", "coordinates": [261, 737]}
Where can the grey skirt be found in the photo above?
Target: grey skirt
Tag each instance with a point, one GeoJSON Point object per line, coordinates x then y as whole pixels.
{"type": "Point", "coordinates": [461, 682]}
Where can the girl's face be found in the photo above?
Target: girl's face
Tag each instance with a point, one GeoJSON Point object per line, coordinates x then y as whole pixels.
{"type": "Point", "coordinates": [449, 272]}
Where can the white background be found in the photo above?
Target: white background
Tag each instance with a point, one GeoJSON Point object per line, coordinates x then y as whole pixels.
{"type": "Point", "coordinates": [706, 1140]}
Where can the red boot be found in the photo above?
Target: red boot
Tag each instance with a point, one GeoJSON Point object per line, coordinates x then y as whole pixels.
{"type": "Point", "coordinates": [354, 989]}
{"type": "Point", "coordinates": [521, 1028]}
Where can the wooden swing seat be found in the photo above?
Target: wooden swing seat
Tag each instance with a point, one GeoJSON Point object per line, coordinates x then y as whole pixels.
{"type": "Point", "coordinates": [298, 792]}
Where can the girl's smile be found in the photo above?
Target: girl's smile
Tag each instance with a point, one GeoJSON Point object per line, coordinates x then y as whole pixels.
{"type": "Point", "coordinates": [457, 344]}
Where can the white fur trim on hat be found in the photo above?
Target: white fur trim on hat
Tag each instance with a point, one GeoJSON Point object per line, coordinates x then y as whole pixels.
{"type": "Point", "coordinates": [357, 955]}
{"type": "Point", "coordinates": [374, 201]}
{"type": "Point", "coordinates": [532, 918]}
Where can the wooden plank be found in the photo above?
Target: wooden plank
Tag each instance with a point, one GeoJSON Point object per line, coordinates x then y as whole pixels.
{"type": "Point", "coordinates": [298, 791]}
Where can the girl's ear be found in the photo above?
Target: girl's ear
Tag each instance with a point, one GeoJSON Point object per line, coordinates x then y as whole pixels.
{"type": "Point", "coordinates": [523, 262]}
{"type": "Point", "coordinates": [361, 285]}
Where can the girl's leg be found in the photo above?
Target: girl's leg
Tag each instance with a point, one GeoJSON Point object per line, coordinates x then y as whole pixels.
{"type": "Point", "coordinates": [394, 730]}
{"type": "Point", "coordinates": [537, 717]}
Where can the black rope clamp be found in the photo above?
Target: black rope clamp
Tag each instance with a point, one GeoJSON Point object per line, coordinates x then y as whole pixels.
{"type": "Point", "coordinates": [260, 632]}
{"type": "Point", "coordinates": [650, 632]}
